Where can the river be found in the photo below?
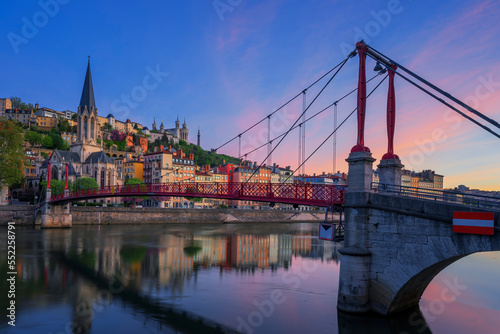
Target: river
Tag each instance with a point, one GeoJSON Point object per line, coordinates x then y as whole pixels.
{"type": "Point", "coordinates": [194, 278]}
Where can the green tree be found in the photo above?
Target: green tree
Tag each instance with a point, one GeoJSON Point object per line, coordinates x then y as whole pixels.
{"type": "Point", "coordinates": [85, 183]}
{"type": "Point", "coordinates": [57, 186]}
{"type": "Point", "coordinates": [107, 127]}
{"type": "Point", "coordinates": [34, 138]}
{"type": "Point", "coordinates": [47, 142]}
{"type": "Point", "coordinates": [12, 157]}
{"type": "Point", "coordinates": [63, 125]}
{"type": "Point", "coordinates": [58, 143]}
{"type": "Point", "coordinates": [18, 104]}
{"type": "Point", "coordinates": [132, 180]}
{"type": "Point", "coordinates": [74, 117]}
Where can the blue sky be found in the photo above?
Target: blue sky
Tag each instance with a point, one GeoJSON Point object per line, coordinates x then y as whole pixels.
{"type": "Point", "coordinates": [225, 64]}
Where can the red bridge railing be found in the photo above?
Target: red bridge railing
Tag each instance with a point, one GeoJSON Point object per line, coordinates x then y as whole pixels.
{"type": "Point", "coordinates": [303, 194]}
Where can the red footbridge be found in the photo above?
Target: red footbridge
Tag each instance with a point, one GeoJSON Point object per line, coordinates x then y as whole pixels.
{"type": "Point", "coordinates": [299, 194]}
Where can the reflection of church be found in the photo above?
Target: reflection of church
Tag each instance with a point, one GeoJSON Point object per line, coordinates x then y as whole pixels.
{"type": "Point", "coordinates": [181, 133]}
{"type": "Point", "coordinates": [86, 158]}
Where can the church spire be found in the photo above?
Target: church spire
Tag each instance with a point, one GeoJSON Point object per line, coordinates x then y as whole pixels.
{"type": "Point", "coordinates": [87, 99]}
{"type": "Point", "coordinates": [198, 136]}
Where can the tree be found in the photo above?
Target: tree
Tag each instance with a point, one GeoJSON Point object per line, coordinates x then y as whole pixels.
{"type": "Point", "coordinates": [47, 142]}
{"type": "Point", "coordinates": [63, 125]}
{"type": "Point", "coordinates": [107, 127]}
{"type": "Point", "coordinates": [132, 180]}
{"type": "Point", "coordinates": [57, 186]}
{"type": "Point", "coordinates": [18, 104]}
{"type": "Point", "coordinates": [33, 137]}
{"type": "Point", "coordinates": [74, 117]}
{"type": "Point", "coordinates": [85, 183]}
{"type": "Point", "coordinates": [117, 136]}
{"type": "Point", "coordinates": [58, 143]}
{"type": "Point", "coordinates": [12, 157]}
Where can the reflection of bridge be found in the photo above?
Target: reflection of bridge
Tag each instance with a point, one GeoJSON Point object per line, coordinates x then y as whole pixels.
{"type": "Point", "coordinates": [300, 194]}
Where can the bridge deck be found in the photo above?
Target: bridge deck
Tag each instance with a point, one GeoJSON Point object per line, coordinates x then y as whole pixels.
{"type": "Point", "coordinates": [302, 194]}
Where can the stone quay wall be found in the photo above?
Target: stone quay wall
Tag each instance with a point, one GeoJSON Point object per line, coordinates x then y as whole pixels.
{"type": "Point", "coordinates": [119, 215]}
{"type": "Point", "coordinates": [20, 214]}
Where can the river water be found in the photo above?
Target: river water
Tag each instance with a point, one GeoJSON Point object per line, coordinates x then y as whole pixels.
{"type": "Point", "coordinates": [193, 278]}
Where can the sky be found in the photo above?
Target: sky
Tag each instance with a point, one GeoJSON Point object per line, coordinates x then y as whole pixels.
{"type": "Point", "coordinates": [223, 65]}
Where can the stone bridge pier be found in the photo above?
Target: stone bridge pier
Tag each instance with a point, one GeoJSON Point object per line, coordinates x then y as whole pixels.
{"type": "Point", "coordinates": [394, 246]}
{"type": "Point", "coordinates": [53, 216]}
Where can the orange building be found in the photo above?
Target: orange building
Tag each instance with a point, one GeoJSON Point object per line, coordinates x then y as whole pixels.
{"type": "Point", "coordinates": [133, 168]}
{"type": "Point", "coordinates": [46, 123]}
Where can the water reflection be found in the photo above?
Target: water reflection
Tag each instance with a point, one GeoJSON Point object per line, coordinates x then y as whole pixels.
{"type": "Point", "coordinates": [198, 279]}
{"type": "Point", "coordinates": [84, 270]}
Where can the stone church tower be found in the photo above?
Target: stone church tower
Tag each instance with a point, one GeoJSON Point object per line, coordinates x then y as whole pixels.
{"type": "Point", "coordinates": [86, 129]}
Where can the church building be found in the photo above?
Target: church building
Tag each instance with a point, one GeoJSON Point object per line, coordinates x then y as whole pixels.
{"type": "Point", "coordinates": [86, 158]}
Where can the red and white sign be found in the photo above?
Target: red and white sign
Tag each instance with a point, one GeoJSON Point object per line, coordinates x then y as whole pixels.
{"type": "Point", "coordinates": [474, 222]}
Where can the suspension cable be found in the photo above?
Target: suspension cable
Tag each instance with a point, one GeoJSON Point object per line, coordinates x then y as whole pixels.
{"type": "Point", "coordinates": [443, 102]}
{"type": "Point", "coordinates": [352, 54]}
{"type": "Point", "coordinates": [448, 95]}
{"type": "Point", "coordinates": [289, 101]}
{"type": "Point", "coordinates": [315, 98]}
{"type": "Point", "coordinates": [335, 130]}
{"type": "Point", "coordinates": [308, 119]}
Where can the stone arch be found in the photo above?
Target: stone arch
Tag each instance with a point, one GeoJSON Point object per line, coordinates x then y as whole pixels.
{"type": "Point", "coordinates": [408, 273]}
{"type": "Point", "coordinates": [114, 155]}
{"type": "Point", "coordinates": [395, 246]}
{"type": "Point", "coordinates": [409, 295]}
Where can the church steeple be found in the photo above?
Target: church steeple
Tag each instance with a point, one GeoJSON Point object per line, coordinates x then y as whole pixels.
{"type": "Point", "coordinates": [87, 99]}
{"type": "Point", "coordinates": [87, 124]}
{"type": "Point", "coordinates": [199, 136]}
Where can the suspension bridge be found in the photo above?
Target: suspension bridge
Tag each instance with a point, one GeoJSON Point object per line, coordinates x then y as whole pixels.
{"type": "Point", "coordinates": [396, 239]}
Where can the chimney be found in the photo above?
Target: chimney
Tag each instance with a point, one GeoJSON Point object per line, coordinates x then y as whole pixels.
{"type": "Point", "coordinates": [191, 156]}
{"type": "Point", "coordinates": [155, 149]}
{"type": "Point", "coordinates": [207, 168]}
{"type": "Point", "coordinates": [161, 148]}
{"type": "Point", "coordinates": [179, 154]}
